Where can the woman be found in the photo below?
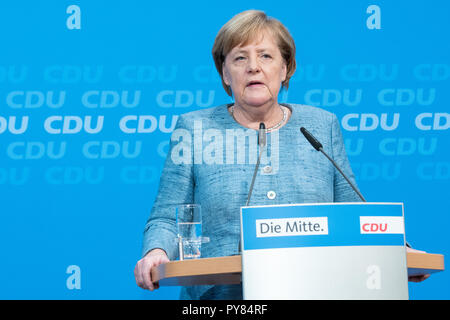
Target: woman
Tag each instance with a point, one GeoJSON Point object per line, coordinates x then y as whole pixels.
{"type": "Point", "coordinates": [255, 56]}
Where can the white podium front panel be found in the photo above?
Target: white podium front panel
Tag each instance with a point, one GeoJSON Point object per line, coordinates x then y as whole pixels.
{"type": "Point", "coordinates": [324, 251]}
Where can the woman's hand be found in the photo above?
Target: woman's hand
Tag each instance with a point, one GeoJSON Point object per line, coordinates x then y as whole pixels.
{"type": "Point", "coordinates": [418, 278]}
{"type": "Point", "coordinates": [142, 270]}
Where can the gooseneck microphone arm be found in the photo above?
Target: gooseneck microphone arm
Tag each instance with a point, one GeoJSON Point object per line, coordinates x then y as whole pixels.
{"type": "Point", "coordinates": [318, 146]}
{"type": "Point", "coordinates": [261, 143]}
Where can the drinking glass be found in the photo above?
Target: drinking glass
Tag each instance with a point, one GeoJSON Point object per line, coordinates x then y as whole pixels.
{"type": "Point", "coordinates": [189, 228]}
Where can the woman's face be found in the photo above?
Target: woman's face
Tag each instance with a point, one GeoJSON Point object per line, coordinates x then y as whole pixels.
{"type": "Point", "coordinates": [255, 71]}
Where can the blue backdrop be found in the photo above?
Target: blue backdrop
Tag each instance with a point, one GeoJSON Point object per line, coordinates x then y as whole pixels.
{"type": "Point", "coordinates": [90, 91]}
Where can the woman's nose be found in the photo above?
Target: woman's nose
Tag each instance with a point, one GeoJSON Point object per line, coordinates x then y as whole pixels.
{"type": "Point", "coordinates": [253, 65]}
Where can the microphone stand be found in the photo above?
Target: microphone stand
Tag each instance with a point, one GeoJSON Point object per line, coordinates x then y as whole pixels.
{"type": "Point", "coordinates": [318, 146]}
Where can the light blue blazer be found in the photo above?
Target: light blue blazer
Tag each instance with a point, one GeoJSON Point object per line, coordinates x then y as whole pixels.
{"type": "Point", "coordinates": [211, 162]}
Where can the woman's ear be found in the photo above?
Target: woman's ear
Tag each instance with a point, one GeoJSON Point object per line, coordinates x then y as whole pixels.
{"type": "Point", "coordinates": [225, 75]}
{"type": "Point", "coordinates": [283, 72]}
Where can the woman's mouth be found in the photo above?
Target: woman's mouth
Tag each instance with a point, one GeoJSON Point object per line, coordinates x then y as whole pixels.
{"type": "Point", "coordinates": [254, 84]}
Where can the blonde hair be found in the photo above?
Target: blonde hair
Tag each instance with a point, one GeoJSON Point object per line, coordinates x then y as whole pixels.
{"type": "Point", "coordinates": [244, 28]}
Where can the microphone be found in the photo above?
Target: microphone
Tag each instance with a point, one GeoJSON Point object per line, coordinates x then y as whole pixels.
{"type": "Point", "coordinates": [318, 146]}
{"type": "Point", "coordinates": [262, 135]}
{"type": "Point", "coordinates": [314, 142]}
{"type": "Point", "coordinates": [261, 143]}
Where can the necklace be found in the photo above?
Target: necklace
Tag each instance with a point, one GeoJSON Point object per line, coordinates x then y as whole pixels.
{"type": "Point", "coordinates": [274, 127]}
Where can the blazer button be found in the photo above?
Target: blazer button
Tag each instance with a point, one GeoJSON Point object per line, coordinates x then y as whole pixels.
{"type": "Point", "coordinates": [271, 195]}
{"type": "Point", "coordinates": [267, 169]}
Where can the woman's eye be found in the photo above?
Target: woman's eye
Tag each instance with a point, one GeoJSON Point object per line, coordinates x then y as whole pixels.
{"type": "Point", "coordinates": [266, 56]}
{"type": "Point", "coordinates": [239, 58]}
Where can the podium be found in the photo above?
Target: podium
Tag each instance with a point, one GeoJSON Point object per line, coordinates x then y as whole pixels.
{"type": "Point", "coordinates": [313, 251]}
{"type": "Point", "coordinates": [324, 251]}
